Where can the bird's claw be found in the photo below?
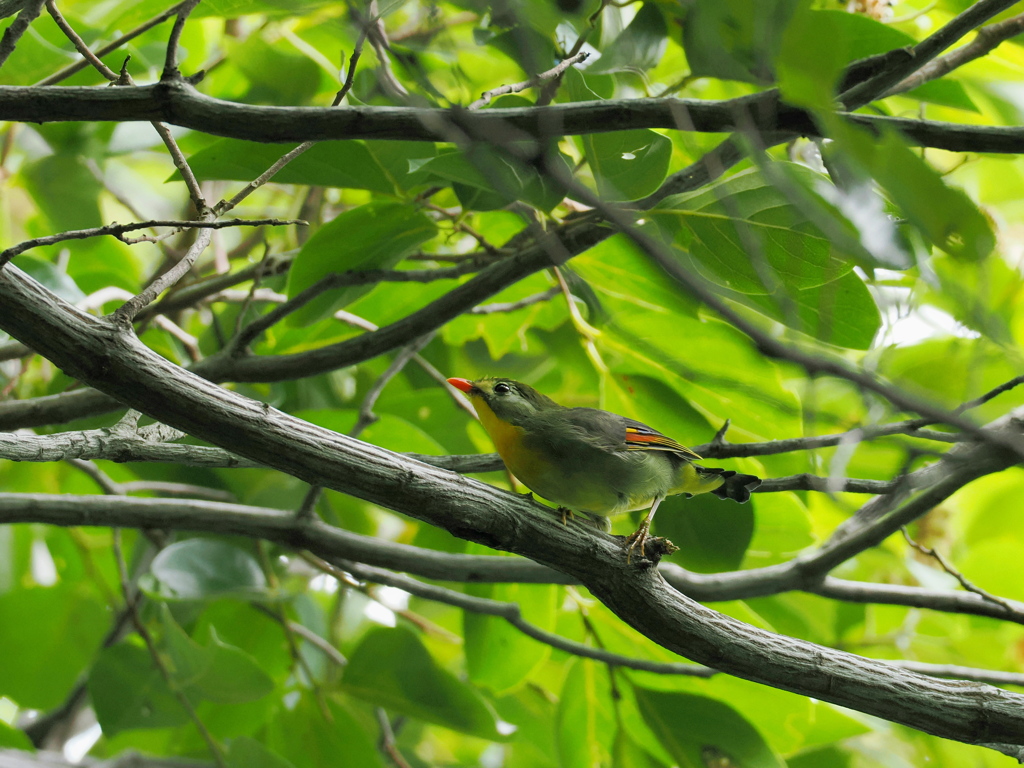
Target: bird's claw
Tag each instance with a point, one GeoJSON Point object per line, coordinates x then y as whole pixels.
{"type": "Point", "coordinates": [652, 548]}
{"type": "Point", "coordinates": [567, 514]}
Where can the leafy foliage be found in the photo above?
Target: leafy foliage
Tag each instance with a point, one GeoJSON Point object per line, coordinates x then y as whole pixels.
{"type": "Point", "coordinates": [862, 252]}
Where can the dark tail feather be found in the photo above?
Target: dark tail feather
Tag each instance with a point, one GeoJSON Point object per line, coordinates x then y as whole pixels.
{"type": "Point", "coordinates": [734, 486]}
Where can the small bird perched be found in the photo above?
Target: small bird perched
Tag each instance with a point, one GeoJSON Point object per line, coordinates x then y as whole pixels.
{"type": "Point", "coordinates": [590, 460]}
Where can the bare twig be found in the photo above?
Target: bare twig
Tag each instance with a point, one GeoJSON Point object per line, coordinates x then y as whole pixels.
{"type": "Point", "coordinates": [118, 230]}
{"type": "Point", "coordinates": [343, 279]}
{"type": "Point", "coordinates": [226, 205]}
{"type": "Point", "coordinates": [388, 744]}
{"type": "Point", "coordinates": [78, 66]}
{"type": "Point", "coordinates": [512, 306]}
{"type": "Point", "coordinates": [171, 62]}
{"type": "Point", "coordinates": [948, 568]}
{"type": "Point", "coordinates": [987, 39]}
{"type": "Point", "coordinates": [79, 44]}
{"type": "Point", "coordinates": [29, 12]}
{"type": "Point", "coordinates": [556, 71]}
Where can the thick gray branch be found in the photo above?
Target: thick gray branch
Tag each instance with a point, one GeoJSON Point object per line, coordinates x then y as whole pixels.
{"type": "Point", "coordinates": [96, 352]}
{"type": "Point", "coordinates": [177, 103]}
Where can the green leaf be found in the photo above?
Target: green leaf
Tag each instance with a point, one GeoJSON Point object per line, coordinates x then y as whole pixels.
{"type": "Point", "coordinates": [51, 636]}
{"type": "Point", "coordinates": [842, 312]}
{"type": "Point", "coordinates": [712, 534]}
{"type": "Point", "coordinates": [201, 569]}
{"type": "Point", "coordinates": [249, 753]}
{"type": "Point", "coordinates": [586, 721]}
{"type": "Point", "coordinates": [486, 180]}
{"type": "Point", "coordinates": [392, 668]}
{"type": "Point", "coordinates": [736, 39]}
{"type": "Point", "coordinates": [65, 191]}
{"type": "Point", "coordinates": [345, 164]}
{"type": "Point", "coordinates": [128, 692]}
{"type": "Point", "coordinates": [628, 165]}
{"type": "Point", "coordinates": [697, 729]}
{"type": "Point", "coordinates": [275, 75]}
{"type": "Point", "coordinates": [302, 735]}
{"type": "Point", "coordinates": [745, 235]}
{"type": "Point", "coordinates": [945, 214]}
{"type": "Point", "coordinates": [499, 656]}
{"type": "Point", "coordinates": [639, 47]}
{"type": "Point", "coordinates": [373, 236]}
{"type": "Point", "coordinates": [13, 738]}
{"type": "Point", "coordinates": [216, 671]}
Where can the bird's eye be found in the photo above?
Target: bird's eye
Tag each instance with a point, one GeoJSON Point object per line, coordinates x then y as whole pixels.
{"type": "Point", "coordinates": [501, 388]}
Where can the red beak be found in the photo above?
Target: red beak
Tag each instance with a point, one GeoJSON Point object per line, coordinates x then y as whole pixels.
{"type": "Point", "coordinates": [463, 385]}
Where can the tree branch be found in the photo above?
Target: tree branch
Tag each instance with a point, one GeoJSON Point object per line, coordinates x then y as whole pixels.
{"type": "Point", "coordinates": [103, 355]}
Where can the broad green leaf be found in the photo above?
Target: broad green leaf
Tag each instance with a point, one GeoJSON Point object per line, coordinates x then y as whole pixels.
{"type": "Point", "coordinates": [736, 39]}
{"type": "Point", "coordinates": [945, 214]}
{"type": "Point", "coordinates": [499, 656]}
{"type": "Point", "coordinates": [485, 180]}
{"type": "Point", "coordinates": [842, 312]}
{"type": "Point", "coordinates": [13, 738]}
{"type": "Point", "coordinates": [628, 165]}
{"type": "Point", "coordinates": [249, 753]}
{"type": "Point", "coordinates": [65, 191]}
{"type": "Point", "coordinates": [391, 668]}
{"type": "Point", "coordinates": [373, 236]}
{"type": "Point", "coordinates": [346, 164]}
{"type": "Point", "coordinates": [276, 74]}
{"type": "Point", "coordinates": [782, 529]}
{"type": "Point", "coordinates": [620, 273]}
{"type": "Point", "coordinates": [128, 692]}
{"type": "Point", "coordinates": [745, 235]}
{"type": "Point", "coordinates": [697, 730]}
{"type": "Point", "coordinates": [586, 720]}
{"type": "Point", "coordinates": [303, 736]}
{"type": "Point", "coordinates": [639, 47]}
{"type": "Point", "coordinates": [215, 671]}
{"type": "Point", "coordinates": [509, 332]}
{"type": "Point", "coordinates": [712, 534]}
{"type": "Point", "coordinates": [201, 569]}
{"type": "Point", "coordinates": [811, 58]}
{"type": "Point", "coordinates": [51, 635]}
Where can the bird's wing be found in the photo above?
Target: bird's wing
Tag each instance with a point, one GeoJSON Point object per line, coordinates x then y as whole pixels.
{"type": "Point", "coordinates": [640, 437]}
{"type": "Point", "coordinates": [613, 432]}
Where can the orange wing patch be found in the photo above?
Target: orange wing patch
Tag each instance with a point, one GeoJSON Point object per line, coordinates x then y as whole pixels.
{"type": "Point", "coordinates": [638, 439]}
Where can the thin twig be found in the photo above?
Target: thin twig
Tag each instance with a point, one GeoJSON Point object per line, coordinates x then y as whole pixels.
{"type": "Point", "coordinates": [512, 614]}
{"type": "Point", "coordinates": [117, 230]}
{"type": "Point", "coordinates": [29, 12]}
{"type": "Point", "coordinates": [986, 40]}
{"type": "Point", "coordinates": [126, 313]}
{"type": "Point", "coordinates": [78, 66]}
{"type": "Point", "coordinates": [226, 205]}
{"type": "Point", "coordinates": [512, 306]}
{"type": "Point", "coordinates": [556, 71]}
{"type": "Point", "coordinates": [171, 61]}
{"type": "Point", "coordinates": [388, 744]}
{"type": "Point", "coordinates": [79, 43]}
{"type": "Point", "coordinates": [948, 568]}
{"type": "Point", "coordinates": [407, 353]}
{"type": "Point", "coordinates": [344, 279]}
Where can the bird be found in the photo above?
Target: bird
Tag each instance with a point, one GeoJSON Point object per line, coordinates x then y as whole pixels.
{"type": "Point", "coordinates": [593, 461]}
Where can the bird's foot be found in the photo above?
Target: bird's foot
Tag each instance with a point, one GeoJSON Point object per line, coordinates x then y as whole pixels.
{"type": "Point", "coordinates": [567, 514]}
{"type": "Point", "coordinates": [652, 548]}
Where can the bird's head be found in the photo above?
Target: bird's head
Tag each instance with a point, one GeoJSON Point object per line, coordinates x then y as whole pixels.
{"type": "Point", "coordinates": [509, 400]}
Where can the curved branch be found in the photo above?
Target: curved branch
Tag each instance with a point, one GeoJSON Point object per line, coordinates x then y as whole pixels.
{"type": "Point", "coordinates": [177, 103]}
{"type": "Point", "coordinates": [97, 352]}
